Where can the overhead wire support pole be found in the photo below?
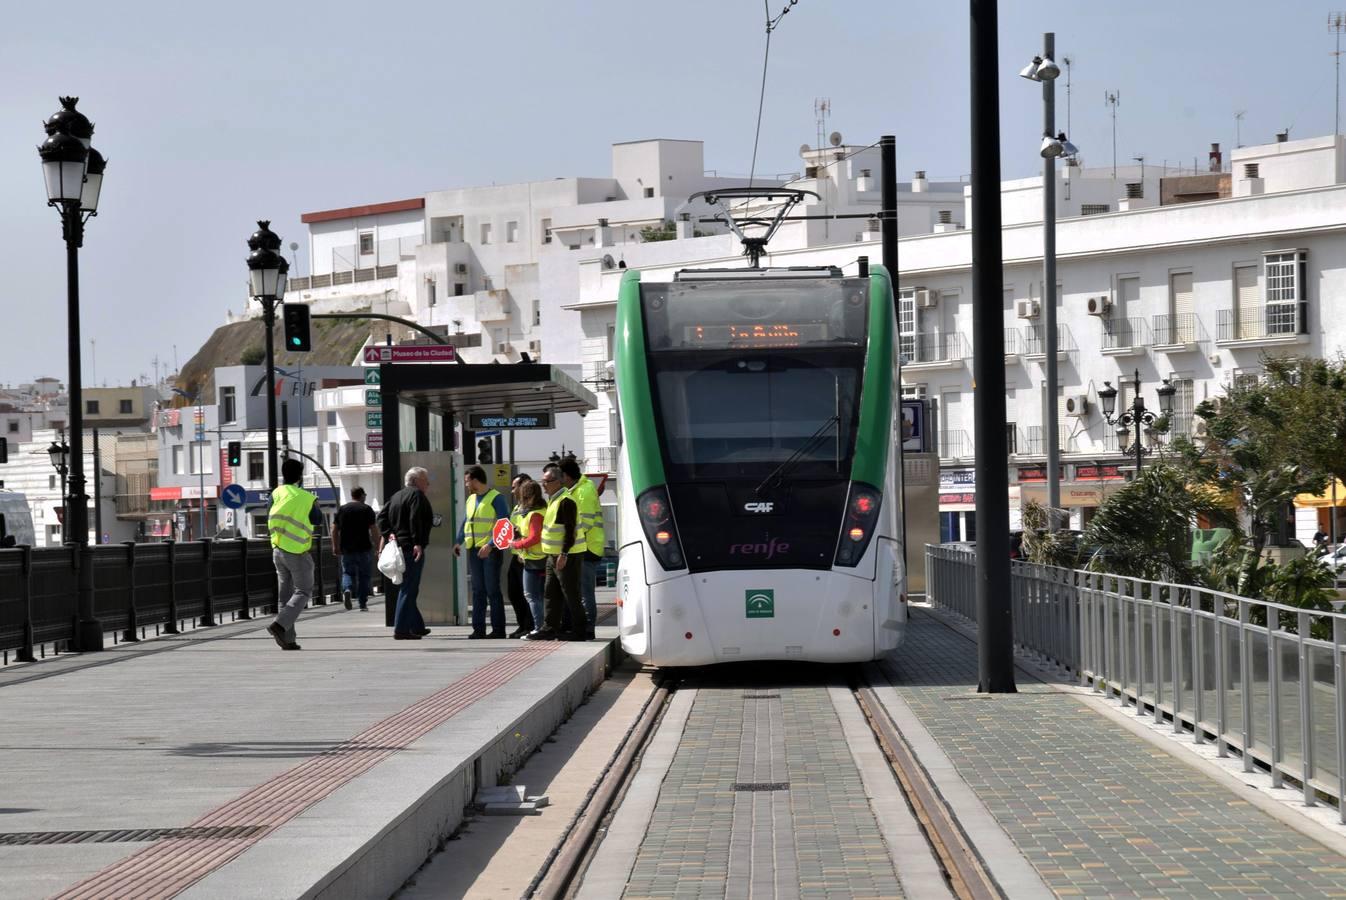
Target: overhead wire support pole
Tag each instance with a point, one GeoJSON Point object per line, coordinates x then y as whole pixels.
{"type": "Point", "coordinates": [1050, 411]}
{"type": "Point", "coordinates": [995, 635]}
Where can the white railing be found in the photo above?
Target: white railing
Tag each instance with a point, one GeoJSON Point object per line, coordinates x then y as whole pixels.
{"type": "Point", "coordinates": [1265, 680]}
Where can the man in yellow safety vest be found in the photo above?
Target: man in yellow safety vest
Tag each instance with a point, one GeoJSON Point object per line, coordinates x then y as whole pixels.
{"type": "Point", "coordinates": [485, 507]}
{"type": "Point", "coordinates": [561, 538]}
{"type": "Point", "coordinates": [591, 523]}
{"type": "Point", "coordinates": [293, 519]}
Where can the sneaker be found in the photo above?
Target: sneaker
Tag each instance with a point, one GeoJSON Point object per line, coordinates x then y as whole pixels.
{"type": "Point", "coordinates": [518, 632]}
{"type": "Point", "coordinates": [277, 631]}
{"type": "Point", "coordinates": [346, 598]}
{"type": "Point", "coordinates": [291, 646]}
{"type": "Point", "coordinates": [543, 635]}
{"type": "Point", "coordinates": [405, 636]}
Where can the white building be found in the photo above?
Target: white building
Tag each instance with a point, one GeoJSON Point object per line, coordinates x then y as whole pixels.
{"type": "Point", "coordinates": [30, 472]}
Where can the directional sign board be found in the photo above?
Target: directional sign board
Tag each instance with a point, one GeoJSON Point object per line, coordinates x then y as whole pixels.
{"type": "Point", "coordinates": [374, 398]}
{"type": "Point", "coordinates": [233, 496]}
{"type": "Point", "coordinates": [502, 533]}
{"type": "Point", "coordinates": [373, 419]}
{"type": "Point", "coordinates": [374, 440]}
{"type": "Point", "coordinates": [423, 354]}
{"type": "Point", "coordinates": [478, 421]}
{"type": "Point", "coordinates": [373, 376]}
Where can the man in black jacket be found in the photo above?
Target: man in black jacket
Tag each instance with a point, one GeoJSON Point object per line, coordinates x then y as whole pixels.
{"type": "Point", "coordinates": [408, 518]}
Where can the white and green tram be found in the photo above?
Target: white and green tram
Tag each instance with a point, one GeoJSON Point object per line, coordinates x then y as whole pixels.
{"type": "Point", "coordinates": [761, 487]}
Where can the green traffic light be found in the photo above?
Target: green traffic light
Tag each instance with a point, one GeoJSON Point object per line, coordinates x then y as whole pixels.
{"type": "Point", "coordinates": [294, 341]}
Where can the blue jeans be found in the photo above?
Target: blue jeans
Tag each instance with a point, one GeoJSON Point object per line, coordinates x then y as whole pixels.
{"type": "Point", "coordinates": [534, 580]}
{"type": "Point", "coordinates": [589, 588]}
{"type": "Point", "coordinates": [485, 577]}
{"type": "Point", "coordinates": [407, 619]}
{"type": "Point", "coordinates": [355, 572]}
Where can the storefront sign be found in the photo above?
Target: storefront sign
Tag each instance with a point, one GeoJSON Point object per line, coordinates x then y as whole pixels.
{"type": "Point", "coordinates": [1030, 474]}
{"type": "Point", "coordinates": [1099, 473]}
{"type": "Point", "coordinates": [957, 478]}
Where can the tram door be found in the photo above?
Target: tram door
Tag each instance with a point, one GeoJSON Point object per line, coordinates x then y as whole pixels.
{"type": "Point", "coordinates": [443, 597]}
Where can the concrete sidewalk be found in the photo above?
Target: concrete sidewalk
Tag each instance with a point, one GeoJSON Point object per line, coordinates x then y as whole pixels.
{"type": "Point", "coordinates": [215, 764]}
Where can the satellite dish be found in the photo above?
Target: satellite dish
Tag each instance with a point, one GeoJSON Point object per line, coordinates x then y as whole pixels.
{"type": "Point", "coordinates": [835, 138]}
{"type": "Point", "coordinates": [608, 261]}
{"type": "Point", "coordinates": [804, 148]}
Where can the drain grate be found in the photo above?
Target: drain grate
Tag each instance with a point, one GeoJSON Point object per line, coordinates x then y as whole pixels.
{"type": "Point", "coordinates": [129, 835]}
{"type": "Point", "coordinates": [762, 786]}
{"type": "Point", "coordinates": [761, 696]}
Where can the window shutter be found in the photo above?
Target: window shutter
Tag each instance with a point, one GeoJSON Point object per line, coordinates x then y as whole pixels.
{"type": "Point", "coordinates": [1184, 319]}
{"type": "Point", "coordinates": [1249, 302]}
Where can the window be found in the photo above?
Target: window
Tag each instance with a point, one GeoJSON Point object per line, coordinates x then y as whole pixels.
{"type": "Point", "coordinates": [546, 231]}
{"type": "Point", "coordinates": [256, 466]}
{"type": "Point", "coordinates": [1184, 404]}
{"type": "Point", "coordinates": [366, 243]}
{"type": "Point", "coordinates": [352, 453]}
{"type": "Point", "coordinates": [333, 454]}
{"type": "Point", "coordinates": [537, 312]}
{"type": "Point", "coordinates": [486, 283]}
{"type": "Point", "coordinates": [124, 407]}
{"type": "Point", "coordinates": [13, 426]}
{"type": "Point", "coordinates": [906, 323]}
{"type": "Point", "coordinates": [331, 418]}
{"type": "Point", "coordinates": [1182, 327]}
{"type": "Point", "coordinates": [1286, 300]}
{"type": "Point", "coordinates": [51, 482]}
{"type": "Point", "coordinates": [228, 405]}
{"type": "Point", "coordinates": [511, 232]}
{"type": "Point", "coordinates": [1094, 209]}
{"type": "Point", "coordinates": [178, 468]}
{"type": "Point", "coordinates": [429, 293]}
{"type": "Point", "coordinates": [458, 288]}
{"type": "Point", "coordinates": [649, 192]}
{"type": "Point", "coordinates": [91, 407]}
{"type": "Point", "coordinates": [201, 458]}
{"type": "Point", "coordinates": [485, 232]}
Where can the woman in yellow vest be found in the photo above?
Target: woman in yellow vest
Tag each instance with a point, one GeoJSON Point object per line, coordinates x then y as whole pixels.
{"type": "Point", "coordinates": [527, 547]}
{"type": "Point", "coordinates": [485, 506]}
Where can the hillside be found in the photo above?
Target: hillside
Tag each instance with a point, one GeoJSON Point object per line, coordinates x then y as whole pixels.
{"type": "Point", "coordinates": [335, 343]}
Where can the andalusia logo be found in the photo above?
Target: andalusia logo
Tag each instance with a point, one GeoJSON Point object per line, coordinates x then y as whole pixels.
{"type": "Point", "coordinates": [761, 604]}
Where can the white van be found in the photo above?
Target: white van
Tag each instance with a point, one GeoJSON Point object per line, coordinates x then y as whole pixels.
{"type": "Point", "coordinates": [16, 521]}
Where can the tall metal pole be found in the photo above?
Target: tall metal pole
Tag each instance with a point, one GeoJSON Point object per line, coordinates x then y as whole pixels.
{"type": "Point", "coordinates": [888, 232]}
{"type": "Point", "coordinates": [76, 502]}
{"type": "Point", "coordinates": [1049, 403]}
{"type": "Point", "coordinates": [1138, 411]}
{"type": "Point", "coordinates": [995, 636]}
{"type": "Point", "coordinates": [269, 323]}
{"type": "Point", "coordinates": [198, 429]}
{"type": "Point", "coordinates": [97, 490]}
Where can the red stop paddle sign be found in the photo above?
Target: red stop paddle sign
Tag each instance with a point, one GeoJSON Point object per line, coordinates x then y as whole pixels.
{"type": "Point", "coordinates": [502, 533]}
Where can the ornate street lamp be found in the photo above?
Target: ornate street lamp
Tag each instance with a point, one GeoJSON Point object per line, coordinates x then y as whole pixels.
{"type": "Point", "coordinates": [268, 274]}
{"type": "Point", "coordinates": [1136, 416]}
{"type": "Point", "coordinates": [57, 453]}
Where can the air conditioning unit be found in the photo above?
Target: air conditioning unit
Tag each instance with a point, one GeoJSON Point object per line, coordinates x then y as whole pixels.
{"type": "Point", "coordinates": [504, 348]}
{"type": "Point", "coordinates": [1099, 306]}
{"type": "Point", "coordinates": [926, 299]}
{"type": "Point", "coordinates": [460, 268]}
{"type": "Point", "coordinates": [1026, 309]}
{"type": "Point", "coordinates": [1077, 405]}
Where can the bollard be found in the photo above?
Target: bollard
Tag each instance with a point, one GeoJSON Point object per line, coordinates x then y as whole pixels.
{"type": "Point", "coordinates": [207, 587]}
{"type": "Point", "coordinates": [25, 653]}
{"type": "Point", "coordinates": [129, 634]}
{"type": "Point", "coordinates": [245, 605]}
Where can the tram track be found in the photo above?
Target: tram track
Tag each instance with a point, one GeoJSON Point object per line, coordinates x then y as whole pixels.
{"type": "Point", "coordinates": [964, 873]}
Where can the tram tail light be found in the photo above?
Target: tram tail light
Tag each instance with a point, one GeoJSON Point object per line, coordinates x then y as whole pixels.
{"type": "Point", "coordinates": [862, 517]}
{"type": "Point", "coordinates": [656, 518]}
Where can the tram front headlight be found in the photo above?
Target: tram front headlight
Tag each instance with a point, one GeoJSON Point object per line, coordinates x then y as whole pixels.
{"type": "Point", "coordinates": [862, 517]}
{"type": "Point", "coordinates": [656, 519]}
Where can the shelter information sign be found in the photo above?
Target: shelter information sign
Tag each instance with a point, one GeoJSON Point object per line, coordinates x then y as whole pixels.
{"type": "Point", "coordinates": [480, 421]}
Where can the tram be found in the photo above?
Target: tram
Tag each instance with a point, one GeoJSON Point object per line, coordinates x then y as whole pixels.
{"type": "Point", "coordinates": [761, 492]}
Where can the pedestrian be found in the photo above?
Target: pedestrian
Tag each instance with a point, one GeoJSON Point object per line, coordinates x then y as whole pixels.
{"type": "Point", "coordinates": [291, 523]}
{"type": "Point", "coordinates": [527, 547]}
{"type": "Point", "coordinates": [407, 518]}
{"type": "Point", "coordinates": [355, 534]}
{"type": "Point", "coordinates": [1320, 538]}
{"type": "Point", "coordinates": [591, 522]}
{"type": "Point", "coordinates": [561, 533]}
{"type": "Point", "coordinates": [485, 507]}
{"type": "Point", "coordinates": [514, 561]}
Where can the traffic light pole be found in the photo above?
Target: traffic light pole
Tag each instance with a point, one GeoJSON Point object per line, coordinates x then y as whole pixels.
{"type": "Point", "coordinates": [272, 453]}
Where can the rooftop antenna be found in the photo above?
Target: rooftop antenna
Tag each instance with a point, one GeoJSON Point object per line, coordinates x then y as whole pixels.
{"type": "Point", "coordinates": [1112, 99]}
{"type": "Point", "coordinates": [1238, 127]}
{"type": "Point", "coordinates": [822, 108]}
{"type": "Point", "coordinates": [1336, 23]}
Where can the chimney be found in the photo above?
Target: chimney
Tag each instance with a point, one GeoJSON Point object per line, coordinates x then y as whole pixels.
{"type": "Point", "coordinates": [1282, 136]}
{"type": "Point", "coordinates": [866, 181]}
{"type": "Point", "coordinates": [685, 227]}
{"type": "Point", "coordinates": [1216, 159]}
{"type": "Point", "coordinates": [918, 184]}
{"type": "Point", "coordinates": [1251, 184]}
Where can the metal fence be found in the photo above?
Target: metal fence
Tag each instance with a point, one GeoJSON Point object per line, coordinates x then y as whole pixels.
{"type": "Point", "coordinates": [1262, 679]}
{"type": "Point", "coordinates": [131, 588]}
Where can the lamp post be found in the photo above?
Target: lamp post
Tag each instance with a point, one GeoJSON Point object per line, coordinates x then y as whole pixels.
{"type": "Point", "coordinates": [58, 453]}
{"type": "Point", "coordinates": [1043, 69]}
{"type": "Point", "coordinates": [73, 171]}
{"type": "Point", "coordinates": [1136, 416]}
{"type": "Point", "coordinates": [268, 272]}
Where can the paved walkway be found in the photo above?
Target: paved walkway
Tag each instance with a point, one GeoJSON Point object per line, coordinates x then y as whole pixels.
{"type": "Point", "coordinates": [215, 763]}
{"type": "Point", "coordinates": [1095, 809]}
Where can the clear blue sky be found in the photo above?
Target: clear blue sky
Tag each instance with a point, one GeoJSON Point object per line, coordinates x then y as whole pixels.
{"type": "Point", "coordinates": [214, 115]}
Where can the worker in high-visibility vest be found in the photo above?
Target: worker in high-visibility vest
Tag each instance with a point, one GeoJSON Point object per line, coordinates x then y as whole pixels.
{"type": "Point", "coordinates": [292, 522]}
{"type": "Point", "coordinates": [591, 522]}
{"type": "Point", "coordinates": [485, 507]}
{"type": "Point", "coordinates": [561, 541]}
{"type": "Point", "coordinates": [531, 563]}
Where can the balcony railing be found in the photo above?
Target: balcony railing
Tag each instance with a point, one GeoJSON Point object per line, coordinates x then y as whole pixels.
{"type": "Point", "coordinates": [1035, 340]}
{"type": "Point", "coordinates": [1180, 330]}
{"type": "Point", "coordinates": [1014, 342]}
{"type": "Point", "coordinates": [955, 444]}
{"type": "Point", "coordinates": [1131, 332]}
{"type": "Point", "coordinates": [1283, 321]}
{"type": "Point", "coordinates": [934, 347]}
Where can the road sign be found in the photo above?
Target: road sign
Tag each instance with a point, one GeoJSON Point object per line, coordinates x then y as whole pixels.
{"type": "Point", "coordinates": [233, 496]}
{"type": "Point", "coordinates": [502, 533]}
{"type": "Point", "coordinates": [374, 398]}
{"type": "Point", "coordinates": [422, 354]}
{"type": "Point", "coordinates": [373, 419]}
{"type": "Point", "coordinates": [761, 604]}
{"type": "Point", "coordinates": [478, 421]}
{"type": "Point", "coordinates": [374, 440]}
{"type": "Point", "coordinates": [373, 376]}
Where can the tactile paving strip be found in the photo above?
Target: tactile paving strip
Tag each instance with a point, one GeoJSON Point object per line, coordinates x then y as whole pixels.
{"type": "Point", "coordinates": [170, 865]}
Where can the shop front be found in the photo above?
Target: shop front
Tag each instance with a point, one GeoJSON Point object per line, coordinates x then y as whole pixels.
{"type": "Point", "coordinates": [1323, 514]}
{"type": "Point", "coordinates": [1084, 488]}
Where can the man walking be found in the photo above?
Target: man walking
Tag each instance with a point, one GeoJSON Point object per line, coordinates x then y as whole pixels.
{"type": "Point", "coordinates": [291, 522]}
{"type": "Point", "coordinates": [354, 535]}
{"type": "Point", "coordinates": [485, 507]}
{"type": "Point", "coordinates": [561, 534]}
{"type": "Point", "coordinates": [407, 518]}
{"type": "Point", "coordinates": [590, 509]}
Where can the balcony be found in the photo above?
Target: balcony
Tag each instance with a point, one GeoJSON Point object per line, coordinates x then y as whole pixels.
{"type": "Point", "coordinates": [1014, 346]}
{"type": "Point", "coordinates": [1035, 342]}
{"type": "Point", "coordinates": [1267, 326]}
{"type": "Point", "coordinates": [491, 306]}
{"type": "Point", "coordinates": [1181, 333]}
{"type": "Point", "coordinates": [1037, 440]}
{"type": "Point", "coordinates": [955, 444]}
{"type": "Point", "coordinates": [933, 350]}
{"type": "Point", "coordinates": [1126, 336]}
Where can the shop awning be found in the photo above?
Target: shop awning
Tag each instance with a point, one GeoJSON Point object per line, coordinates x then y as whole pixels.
{"type": "Point", "coordinates": [1325, 499]}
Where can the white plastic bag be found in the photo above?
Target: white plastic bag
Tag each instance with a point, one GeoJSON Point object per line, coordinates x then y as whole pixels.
{"type": "Point", "coordinates": [392, 563]}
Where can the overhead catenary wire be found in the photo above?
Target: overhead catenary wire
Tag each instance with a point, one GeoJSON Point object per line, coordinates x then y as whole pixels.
{"type": "Point", "coordinates": [761, 97]}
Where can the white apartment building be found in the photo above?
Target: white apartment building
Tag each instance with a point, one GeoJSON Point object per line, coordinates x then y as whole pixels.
{"type": "Point", "coordinates": [30, 472]}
